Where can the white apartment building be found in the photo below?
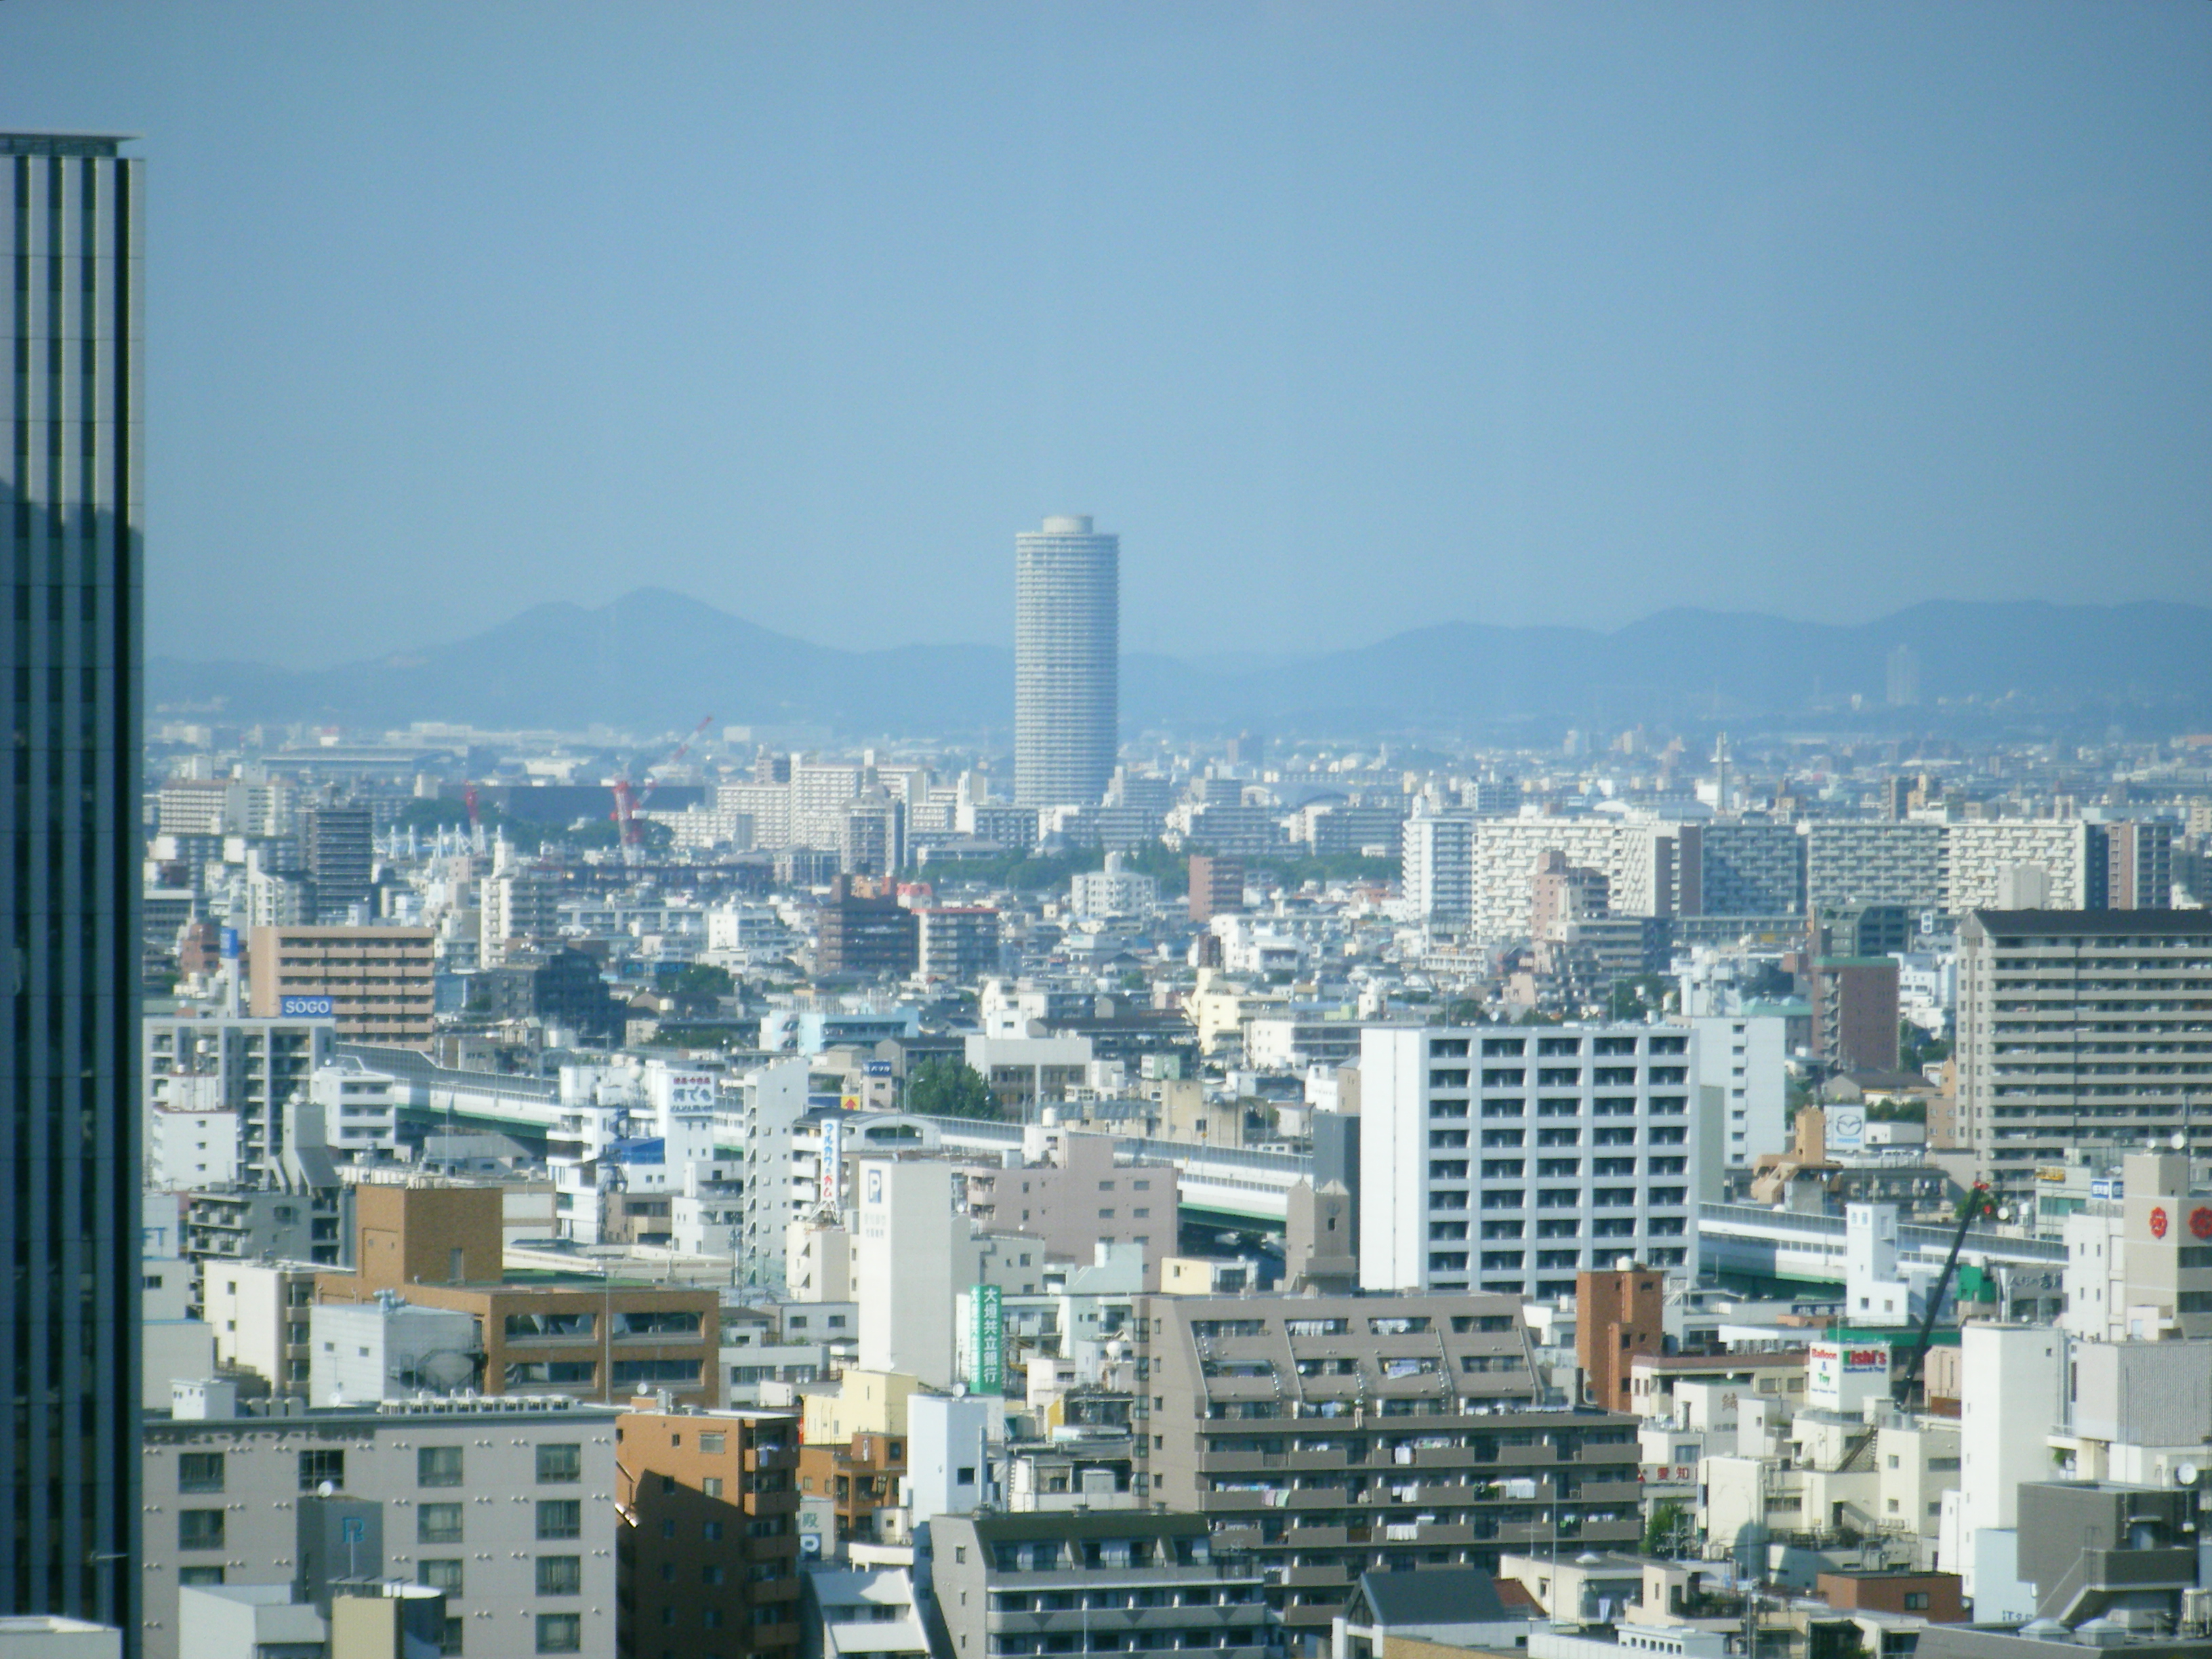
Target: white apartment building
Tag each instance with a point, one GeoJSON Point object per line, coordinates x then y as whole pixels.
{"type": "Point", "coordinates": [1437, 870]}
{"type": "Point", "coordinates": [506, 1504]}
{"type": "Point", "coordinates": [809, 810]}
{"type": "Point", "coordinates": [216, 806]}
{"type": "Point", "coordinates": [821, 792]}
{"type": "Point", "coordinates": [1927, 989]}
{"type": "Point", "coordinates": [1479, 873]}
{"type": "Point", "coordinates": [259, 1312]}
{"type": "Point", "coordinates": [764, 1122]}
{"type": "Point", "coordinates": [359, 1111]}
{"type": "Point", "coordinates": [1976, 855]}
{"type": "Point", "coordinates": [189, 1144]}
{"type": "Point", "coordinates": [1873, 862]}
{"type": "Point", "coordinates": [251, 1068]}
{"type": "Point", "coordinates": [268, 899]}
{"type": "Point", "coordinates": [1014, 828]}
{"type": "Point", "coordinates": [2018, 1376]}
{"type": "Point", "coordinates": [1465, 871]}
{"type": "Point", "coordinates": [1112, 891]}
{"type": "Point", "coordinates": [1742, 1061]}
{"type": "Point", "coordinates": [1507, 1158]}
{"type": "Point", "coordinates": [765, 806]}
{"type": "Point", "coordinates": [518, 905]}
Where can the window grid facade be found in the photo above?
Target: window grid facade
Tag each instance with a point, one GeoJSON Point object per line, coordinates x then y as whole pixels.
{"type": "Point", "coordinates": [1516, 1156]}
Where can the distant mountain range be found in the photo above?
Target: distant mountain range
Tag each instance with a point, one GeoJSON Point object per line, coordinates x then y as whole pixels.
{"type": "Point", "coordinates": [656, 661]}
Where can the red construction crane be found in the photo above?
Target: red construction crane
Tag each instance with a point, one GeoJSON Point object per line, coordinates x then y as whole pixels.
{"type": "Point", "coordinates": [630, 798]}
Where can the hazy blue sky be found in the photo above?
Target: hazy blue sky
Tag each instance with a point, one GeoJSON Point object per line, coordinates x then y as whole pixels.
{"type": "Point", "coordinates": [1347, 318]}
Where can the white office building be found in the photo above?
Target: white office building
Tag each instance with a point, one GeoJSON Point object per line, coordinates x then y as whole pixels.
{"type": "Point", "coordinates": [2017, 1398]}
{"type": "Point", "coordinates": [360, 1353]}
{"type": "Point", "coordinates": [1507, 1158]}
{"type": "Point", "coordinates": [913, 1251]}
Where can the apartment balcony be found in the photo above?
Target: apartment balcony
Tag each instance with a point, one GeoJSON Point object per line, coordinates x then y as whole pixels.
{"type": "Point", "coordinates": [1245, 1388]}
{"type": "Point", "coordinates": [1608, 1492]}
{"type": "Point", "coordinates": [1108, 1620]}
{"type": "Point", "coordinates": [1604, 1452]}
{"type": "Point", "coordinates": [1210, 1462]}
{"type": "Point", "coordinates": [1320, 1497]}
{"type": "Point", "coordinates": [1332, 1575]}
{"type": "Point", "coordinates": [1250, 1501]}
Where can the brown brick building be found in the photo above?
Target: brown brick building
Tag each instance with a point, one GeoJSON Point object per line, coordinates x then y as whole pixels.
{"type": "Point", "coordinates": [378, 981]}
{"type": "Point", "coordinates": [1931, 1596]}
{"type": "Point", "coordinates": [706, 1557]}
{"type": "Point", "coordinates": [438, 1244]}
{"type": "Point", "coordinates": [1217, 886]}
{"type": "Point", "coordinates": [1855, 1013]}
{"type": "Point", "coordinates": [1618, 1316]}
{"type": "Point", "coordinates": [859, 1478]}
{"type": "Point", "coordinates": [866, 935]}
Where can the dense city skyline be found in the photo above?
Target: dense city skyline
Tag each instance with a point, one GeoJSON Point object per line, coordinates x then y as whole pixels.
{"type": "Point", "coordinates": [1519, 317]}
{"type": "Point", "coordinates": [1567, 1019]}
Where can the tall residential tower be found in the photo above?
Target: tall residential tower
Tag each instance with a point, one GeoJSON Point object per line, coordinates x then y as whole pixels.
{"type": "Point", "coordinates": [1067, 615]}
{"type": "Point", "coordinates": [71, 241]}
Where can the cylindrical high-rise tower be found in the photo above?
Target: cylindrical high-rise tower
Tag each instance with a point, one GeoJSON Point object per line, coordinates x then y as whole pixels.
{"type": "Point", "coordinates": [1067, 629]}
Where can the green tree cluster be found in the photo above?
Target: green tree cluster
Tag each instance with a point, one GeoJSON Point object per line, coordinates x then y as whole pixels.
{"type": "Point", "coordinates": [699, 986]}
{"type": "Point", "coordinates": [950, 1088]}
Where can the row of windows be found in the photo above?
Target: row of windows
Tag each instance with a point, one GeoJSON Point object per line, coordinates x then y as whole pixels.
{"type": "Point", "coordinates": [1623, 1226]}
{"type": "Point", "coordinates": [558, 1518]}
{"type": "Point", "coordinates": [584, 1373]}
{"type": "Point", "coordinates": [1505, 1047]}
{"type": "Point", "coordinates": [1562, 1198]}
{"type": "Point", "coordinates": [1603, 1106]}
{"type": "Point", "coordinates": [435, 1466]}
{"type": "Point", "coordinates": [1661, 1135]}
{"type": "Point", "coordinates": [557, 1575]}
{"type": "Point", "coordinates": [1178, 1641]}
{"type": "Point", "coordinates": [1562, 1169]}
{"type": "Point", "coordinates": [1552, 1076]}
{"type": "Point", "coordinates": [1379, 1325]}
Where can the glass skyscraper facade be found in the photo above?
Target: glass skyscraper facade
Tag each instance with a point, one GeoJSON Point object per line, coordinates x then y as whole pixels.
{"type": "Point", "coordinates": [69, 1223]}
{"type": "Point", "coordinates": [1067, 638]}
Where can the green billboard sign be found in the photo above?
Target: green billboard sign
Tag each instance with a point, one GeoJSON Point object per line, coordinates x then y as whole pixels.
{"type": "Point", "coordinates": [986, 1337]}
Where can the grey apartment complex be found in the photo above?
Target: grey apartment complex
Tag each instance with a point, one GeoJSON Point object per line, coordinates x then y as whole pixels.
{"type": "Point", "coordinates": [1328, 1435]}
{"type": "Point", "coordinates": [2082, 1029]}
